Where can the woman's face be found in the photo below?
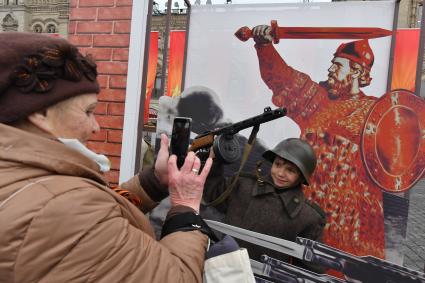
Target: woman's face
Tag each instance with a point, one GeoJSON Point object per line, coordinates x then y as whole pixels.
{"type": "Point", "coordinates": [285, 174]}
{"type": "Point", "coordinates": [73, 118]}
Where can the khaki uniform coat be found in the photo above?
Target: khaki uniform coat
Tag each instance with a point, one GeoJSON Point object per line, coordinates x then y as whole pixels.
{"type": "Point", "coordinates": [254, 205]}
{"type": "Point", "coordinates": [59, 222]}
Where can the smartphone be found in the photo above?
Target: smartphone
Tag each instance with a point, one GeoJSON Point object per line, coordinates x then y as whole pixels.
{"type": "Point", "coordinates": [180, 138]}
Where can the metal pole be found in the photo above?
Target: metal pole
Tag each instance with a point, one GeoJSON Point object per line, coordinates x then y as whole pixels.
{"type": "Point", "coordinates": [143, 89]}
{"type": "Point", "coordinates": [420, 55]}
{"type": "Point", "coordinates": [165, 48]}
{"type": "Point", "coordinates": [189, 10]}
{"type": "Point", "coordinates": [392, 50]}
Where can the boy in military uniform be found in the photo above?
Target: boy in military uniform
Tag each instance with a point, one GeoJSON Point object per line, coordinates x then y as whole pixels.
{"type": "Point", "coordinates": [273, 204]}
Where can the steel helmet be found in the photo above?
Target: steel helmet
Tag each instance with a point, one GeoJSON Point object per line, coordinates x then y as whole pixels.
{"type": "Point", "coordinates": [296, 151]}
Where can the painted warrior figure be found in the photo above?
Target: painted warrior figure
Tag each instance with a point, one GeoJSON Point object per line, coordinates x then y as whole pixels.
{"type": "Point", "coordinates": [331, 115]}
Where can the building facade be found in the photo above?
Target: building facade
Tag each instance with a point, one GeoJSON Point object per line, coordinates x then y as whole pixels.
{"type": "Point", "coordinates": [42, 16]}
{"type": "Point", "coordinates": [410, 13]}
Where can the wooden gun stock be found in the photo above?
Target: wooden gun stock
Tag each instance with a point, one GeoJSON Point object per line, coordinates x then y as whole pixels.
{"type": "Point", "coordinates": [202, 142]}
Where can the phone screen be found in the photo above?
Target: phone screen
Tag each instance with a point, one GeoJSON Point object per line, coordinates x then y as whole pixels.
{"type": "Point", "coordinates": [180, 138]}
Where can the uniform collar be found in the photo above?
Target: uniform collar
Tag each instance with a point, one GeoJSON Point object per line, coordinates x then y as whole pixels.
{"type": "Point", "coordinates": [292, 199]}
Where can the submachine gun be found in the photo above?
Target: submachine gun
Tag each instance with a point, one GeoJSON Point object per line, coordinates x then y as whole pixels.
{"type": "Point", "coordinates": [226, 146]}
{"type": "Point", "coordinates": [356, 269]}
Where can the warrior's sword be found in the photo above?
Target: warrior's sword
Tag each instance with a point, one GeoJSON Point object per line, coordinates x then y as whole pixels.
{"type": "Point", "coordinates": [245, 33]}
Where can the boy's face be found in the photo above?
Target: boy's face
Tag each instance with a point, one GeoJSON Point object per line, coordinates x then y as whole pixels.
{"type": "Point", "coordinates": [285, 174]}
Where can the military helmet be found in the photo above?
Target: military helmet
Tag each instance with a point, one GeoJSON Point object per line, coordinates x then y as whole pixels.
{"type": "Point", "coordinates": [296, 151]}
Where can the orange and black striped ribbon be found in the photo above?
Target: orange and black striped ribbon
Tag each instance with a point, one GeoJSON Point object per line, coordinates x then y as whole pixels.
{"type": "Point", "coordinates": [128, 195]}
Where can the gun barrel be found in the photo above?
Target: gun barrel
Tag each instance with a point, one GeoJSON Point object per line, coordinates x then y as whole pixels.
{"type": "Point", "coordinates": [207, 139]}
{"type": "Point", "coordinates": [267, 116]}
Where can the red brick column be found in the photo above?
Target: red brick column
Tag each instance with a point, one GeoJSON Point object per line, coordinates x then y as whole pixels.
{"type": "Point", "coordinates": [102, 28]}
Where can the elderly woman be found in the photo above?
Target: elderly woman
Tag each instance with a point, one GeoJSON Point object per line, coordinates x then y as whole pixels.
{"type": "Point", "coordinates": [59, 220]}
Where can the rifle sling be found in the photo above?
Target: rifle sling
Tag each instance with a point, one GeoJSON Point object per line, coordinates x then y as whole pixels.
{"type": "Point", "coordinates": [246, 152]}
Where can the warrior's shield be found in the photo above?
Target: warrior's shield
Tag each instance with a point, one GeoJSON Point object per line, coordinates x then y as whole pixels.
{"type": "Point", "coordinates": [393, 141]}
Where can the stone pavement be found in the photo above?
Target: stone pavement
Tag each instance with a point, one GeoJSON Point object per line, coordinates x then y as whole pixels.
{"type": "Point", "coordinates": [414, 246]}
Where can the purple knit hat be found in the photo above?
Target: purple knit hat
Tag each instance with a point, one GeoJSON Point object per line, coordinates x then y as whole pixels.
{"type": "Point", "coordinates": [37, 71]}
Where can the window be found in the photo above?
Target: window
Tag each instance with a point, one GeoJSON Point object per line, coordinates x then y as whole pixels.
{"type": "Point", "coordinates": [38, 28]}
{"type": "Point", "coordinates": [51, 28]}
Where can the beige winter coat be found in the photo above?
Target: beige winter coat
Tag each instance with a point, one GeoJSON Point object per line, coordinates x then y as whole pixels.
{"type": "Point", "coordinates": [60, 223]}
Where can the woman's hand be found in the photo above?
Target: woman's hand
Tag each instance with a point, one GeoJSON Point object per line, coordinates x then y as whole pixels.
{"type": "Point", "coordinates": [161, 167]}
{"type": "Point", "coordinates": [187, 184]}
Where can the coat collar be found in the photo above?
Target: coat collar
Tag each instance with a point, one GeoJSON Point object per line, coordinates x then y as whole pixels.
{"type": "Point", "coordinates": [34, 153]}
{"type": "Point", "coordinates": [292, 199]}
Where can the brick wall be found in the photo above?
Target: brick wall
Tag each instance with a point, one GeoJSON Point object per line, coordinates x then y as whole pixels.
{"type": "Point", "coordinates": [102, 28]}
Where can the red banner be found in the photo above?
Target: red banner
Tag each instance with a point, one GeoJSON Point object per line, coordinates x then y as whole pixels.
{"type": "Point", "coordinates": [152, 62]}
{"type": "Point", "coordinates": [175, 65]}
{"type": "Point", "coordinates": [405, 59]}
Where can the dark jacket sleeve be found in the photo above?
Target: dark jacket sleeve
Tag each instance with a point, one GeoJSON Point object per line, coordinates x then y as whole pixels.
{"type": "Point", "coordinates": [147, 188]}
{"type": "Point", "coordinates": [313, 232]}
{"type": "Point", "coordinates": [216, 184]}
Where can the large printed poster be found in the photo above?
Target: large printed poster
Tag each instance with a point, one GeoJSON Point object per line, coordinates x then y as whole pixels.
{"type": "Point", "coordinates": [327, 82]}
